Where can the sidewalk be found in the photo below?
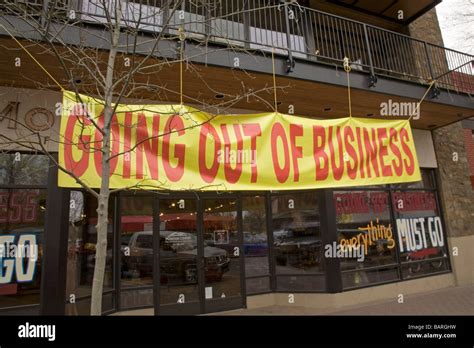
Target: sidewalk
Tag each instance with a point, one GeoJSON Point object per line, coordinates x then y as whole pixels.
{"type": "Point", "coordinates": [450, 301]}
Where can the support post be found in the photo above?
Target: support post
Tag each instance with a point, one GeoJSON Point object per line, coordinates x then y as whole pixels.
{"type": "Point", "coordinates": [55, 238]}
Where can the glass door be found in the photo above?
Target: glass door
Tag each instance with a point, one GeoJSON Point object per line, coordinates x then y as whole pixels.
{"type": "Point", "coordinates": [178, 270]}
{"type": "Point", "coordinates": [199, 260]}
{"type": "Point", "coordinates": [222, 253]}
{"type": "Point", "coordinates": [136, 251]}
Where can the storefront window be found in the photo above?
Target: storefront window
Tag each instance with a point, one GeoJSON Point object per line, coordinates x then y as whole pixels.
{"type": "Point", "coordinates": [81, 250]}
{"type": "Point", "coordinates": [254, 223]}
{"type": "Point", "coordinates": [366, 237]}
{"type": "Point", "coordinates": [136, 250]}
{"type": "Point", "coordinates": [421, 240]}
{"type": "Point", "coordinates": [22, 213]}
{"type": "Point", "coordinates": [402, 237]}
{"type": "Point", "coordinates": [297, 241]}
{"type": "Point", "coordinates": [23, 169]}
{"type": "Point", "coordinates": [427, 182]}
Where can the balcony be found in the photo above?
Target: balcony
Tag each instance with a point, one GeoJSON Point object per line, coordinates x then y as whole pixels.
{"type": "Point", "coordinates": [296, 32]}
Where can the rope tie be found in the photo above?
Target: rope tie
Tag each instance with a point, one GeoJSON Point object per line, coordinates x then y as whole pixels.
{"type": "Point", "coordinates": [274, 79]}
{"type": "Point", "coordinates": [421, 100]}
{"type": "Point", "coordinates": [182, 37]}
{"type": "Point", "coordinates": [347, 69]}
{"type": "Point", "coordinates": [32, 57]}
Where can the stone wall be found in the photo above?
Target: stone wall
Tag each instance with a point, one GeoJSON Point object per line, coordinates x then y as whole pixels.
{"type": "Point", "coordinates": [469, 141]}
{"type": "Point", "coordinates": [454, 181]}
{"type": "Point", "coordinates": [427, 28]}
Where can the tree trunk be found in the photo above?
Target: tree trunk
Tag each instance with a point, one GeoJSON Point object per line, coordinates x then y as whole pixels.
{"type": "Point", "coordinates": [104, 193]}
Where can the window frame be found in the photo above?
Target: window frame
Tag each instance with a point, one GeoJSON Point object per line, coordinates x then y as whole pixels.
{"type": "Point", "coordinates": [400, 264]}
{"type": "Point", "coordinates": [31, 307]}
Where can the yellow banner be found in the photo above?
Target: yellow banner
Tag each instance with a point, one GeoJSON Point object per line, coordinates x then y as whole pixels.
{"type": "Point", "coordinates": [177, 147]}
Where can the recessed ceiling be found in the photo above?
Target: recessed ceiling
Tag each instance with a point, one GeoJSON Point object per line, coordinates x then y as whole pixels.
{"type": "Point", "coordinates": [389, 9]}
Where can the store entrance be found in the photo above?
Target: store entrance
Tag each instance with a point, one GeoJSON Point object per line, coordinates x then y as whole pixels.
{"type": "Point", "coordinates": [199, 258]}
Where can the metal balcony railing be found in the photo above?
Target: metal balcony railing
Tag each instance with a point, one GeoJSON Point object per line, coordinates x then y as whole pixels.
{"type": "Point", "coordinates": [286, 28]}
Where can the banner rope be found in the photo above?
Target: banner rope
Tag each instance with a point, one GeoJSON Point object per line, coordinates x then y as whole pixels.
{"type": "Point", "coordinates": [274, 79]}
{"type": "Point", "coordinates": [182, 37]}
{"type": "Point", "coordinates": [422, 99]}
{"type": "Point", "coordinates": [347, 69]}
{"type": "Point", "coordinates": [32, 57]}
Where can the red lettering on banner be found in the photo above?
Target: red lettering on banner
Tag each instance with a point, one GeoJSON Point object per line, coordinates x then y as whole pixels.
{"type": "Point", "coordinates": [394, 148]}
{"type": "Point", "coordinates": [348, 138]}
{"type": "Point", "coordinates": [78, 167]}
{"type": "Point", "coordinates": [410, 167]}
{"type": "Point", "coordinates": [98, 144]}
{"type": "Point", "coordinates": [208, 174]}
{"type": "Point", "coordinates": [282, 173]}
{"type": "Point", "coordinates": [174, 123]}
{"type": "Point", "coordinates": [322, 171]}
{"type": "Point", "coordinates": [253, 131]}
{"type": "Point", "coordinates": [361, 152]}
{"type": "Point", "coordinates": [337, 170]}
{"type": "Point", "coordinates": [381, 136]}
{"type": "Point", "coordinates": [147, 144]}
{"type": "Point", "coordinates": [127, 135]}
{"type": "Point", "coordinates": [343, 151]}
{"type": "Point", "coordinates": [371, 153]}
{"type": "Point", "coordinates": [232, 175]}
{"type": "Point", "coordinates": [296, 130]}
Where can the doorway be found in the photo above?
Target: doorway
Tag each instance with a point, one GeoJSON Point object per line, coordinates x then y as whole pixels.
{"type": "Point", "coordinates": [197, 261]}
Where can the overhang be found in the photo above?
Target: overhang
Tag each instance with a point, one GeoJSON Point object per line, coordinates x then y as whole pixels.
{"type": "Point", "coordinates": [389, 9]}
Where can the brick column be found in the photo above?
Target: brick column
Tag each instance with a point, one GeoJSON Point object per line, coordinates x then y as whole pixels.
{"type": "Point", "coordinates": [457, 198]}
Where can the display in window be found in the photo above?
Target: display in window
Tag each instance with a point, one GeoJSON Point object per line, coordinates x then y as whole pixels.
{"type": "Point", "coordinates": [420, 231]}
{"type": "Point", "coordinates": [298, 246]}
{"type": "Point", "coordinates": [21, 245]}
{"type": "Point", "coordinates": [364, 222]}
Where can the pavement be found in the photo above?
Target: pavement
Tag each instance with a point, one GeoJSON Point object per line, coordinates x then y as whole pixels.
{"type": "Point", "coordinates": [449, 301]}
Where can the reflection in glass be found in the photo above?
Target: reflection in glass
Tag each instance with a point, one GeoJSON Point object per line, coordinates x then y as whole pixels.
{"type": "Point", "coordinates": [255, 236]}
{"type": "Point", "coordinates": [307, 283]}
{"type": "Point", "coordinates": [82, 240]}
{"type": "Point", "coordinates": [178, 252]}
{"type": "Point", "coordinates": [136, 242]}
{"type": "Point", "coordinates": [221, 249]}
{"type": "Point", "coordinates": [22, 214]}
{"type": "Point", "coordinates": [296, 233]}
{"type": "Point", "coordinates": [420, 232]}
{"type": "Point", "coordinates": [427, 182]}
{"type": "Point", "coordinates": [23, 169]}
{"type": "Point", "coordinates": [361, 277]}
{"type": "Point", "coordinates": [257, 285]}
{"type": "Point", "coordinates": [363, 221]}
{"type": "Point", "coordinates": [297, 241]}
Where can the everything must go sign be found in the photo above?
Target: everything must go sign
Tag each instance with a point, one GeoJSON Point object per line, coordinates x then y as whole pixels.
{"type": "Point", "coordinates": [178, 147]}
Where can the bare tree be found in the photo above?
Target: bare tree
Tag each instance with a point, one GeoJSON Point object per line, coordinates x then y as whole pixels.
{"type": "Point", "coordinates": [99, 71]}
{"type": "Point", "coordinates": [456, 18]}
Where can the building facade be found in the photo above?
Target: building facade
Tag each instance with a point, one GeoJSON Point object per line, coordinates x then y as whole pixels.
{"type": "Point", "coordinates": [202, 252]}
